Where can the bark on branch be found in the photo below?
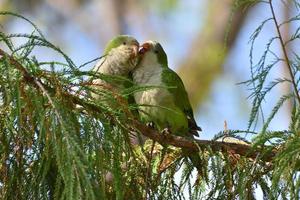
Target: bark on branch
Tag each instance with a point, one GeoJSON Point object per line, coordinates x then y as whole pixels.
{"type": "Point", "coordinates": [194, 145]}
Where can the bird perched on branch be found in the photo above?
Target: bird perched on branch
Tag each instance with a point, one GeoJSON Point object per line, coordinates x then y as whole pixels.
{"type": "Point", "coordinates": [120, 57]}
{"type": "Point", "coordinates": [166, 104]}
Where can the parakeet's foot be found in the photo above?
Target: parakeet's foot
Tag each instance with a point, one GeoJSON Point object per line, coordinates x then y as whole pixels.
{"type": "Point", "coordinates": [166, 131]}
{"type": "Point", "coordinates": [151, 125]}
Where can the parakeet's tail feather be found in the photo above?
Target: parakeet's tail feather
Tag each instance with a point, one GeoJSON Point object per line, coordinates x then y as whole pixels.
{"type": "Point", "coordinates": [195, 132]}
{"type": "Point", "coordinates": [197, 162]}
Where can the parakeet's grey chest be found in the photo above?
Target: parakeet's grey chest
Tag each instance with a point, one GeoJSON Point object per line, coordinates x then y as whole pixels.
{"type": "Point", "coordinates": [150, 76]}
{"type": "Point", "coordinates": [147, 76]}
{"type": "Point", "coordinates": [116, 63]}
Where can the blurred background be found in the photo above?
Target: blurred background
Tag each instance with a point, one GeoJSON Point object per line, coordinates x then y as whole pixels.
{"type": "Point", "coordinates": [207, 43]}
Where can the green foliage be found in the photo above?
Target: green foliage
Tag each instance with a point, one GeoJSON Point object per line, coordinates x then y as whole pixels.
{"type": "Point", "coordinates": [282, 176]}
{"type": "Point", "coordinates": [59, 142]}
{"type": "Point", "coordinates": [50, 149]}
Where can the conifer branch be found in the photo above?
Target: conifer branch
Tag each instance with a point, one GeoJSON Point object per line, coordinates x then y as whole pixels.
{"type": "Point", "coordinates": [29, 78]}
{"type": "Point", "coordinates": [165, 139]}
{"type": "Point", "coordinates": [285, 52]}
{"type": "Point", "coordinates": [61, 142]}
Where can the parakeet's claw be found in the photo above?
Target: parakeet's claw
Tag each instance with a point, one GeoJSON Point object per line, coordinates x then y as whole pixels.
{"type": "Point", "coordinates": [166, 131]}
{"type": "Point", "coordinates": [151, 125]}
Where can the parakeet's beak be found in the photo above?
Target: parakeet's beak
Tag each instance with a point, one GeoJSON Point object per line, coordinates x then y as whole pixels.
{"type": "Point", "coordinates": [144, 48]}
{"type": "Point", "coordinates": [135, 48]}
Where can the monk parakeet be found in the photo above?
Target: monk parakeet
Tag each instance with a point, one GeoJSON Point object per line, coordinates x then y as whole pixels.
{"type": "Point", "coordinates": [167, 104]}
{"type": "Point", "coordinates": [120, 57]}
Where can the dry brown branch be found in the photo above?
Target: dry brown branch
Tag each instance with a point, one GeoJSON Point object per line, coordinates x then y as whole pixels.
{"type": "Point", "coordinates": [193, 145]}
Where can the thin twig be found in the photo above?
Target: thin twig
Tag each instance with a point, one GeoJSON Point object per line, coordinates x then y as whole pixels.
{"type": "Point", "coordinates": [285, 52]}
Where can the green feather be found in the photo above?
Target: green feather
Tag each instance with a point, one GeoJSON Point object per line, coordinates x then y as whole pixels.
{"type": "Point", "coordinates": [169, 103]}
{"type": "Point", "coordinates": [116, 41]}
{"type": "Point", "coordinates": [161, 55]}
{"type": "Point", "coordinates": [178, 91]}
{"type": "Point", "coordinates": [176, 88]}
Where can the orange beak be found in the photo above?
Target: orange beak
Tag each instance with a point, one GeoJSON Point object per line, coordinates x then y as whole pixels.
{"type": "Point", "coordinates": [144, 48]}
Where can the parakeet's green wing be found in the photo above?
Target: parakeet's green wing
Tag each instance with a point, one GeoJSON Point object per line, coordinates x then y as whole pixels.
{"type": "Point", "coordinates": [172, 80]}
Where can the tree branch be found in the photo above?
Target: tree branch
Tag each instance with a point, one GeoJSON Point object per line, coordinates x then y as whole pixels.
{"type": "Point", "coordinates": [164, 139]}
{"type": "Point", "coordinates": [27, 76]}
{"type": "Point", "coordinates": [194, 145]}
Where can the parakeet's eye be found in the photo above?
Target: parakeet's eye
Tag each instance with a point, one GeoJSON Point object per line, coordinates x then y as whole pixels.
{"type": "Point", "coordinates": [155, 51]}
{"type": "Point", "coordinates": [124, 43]}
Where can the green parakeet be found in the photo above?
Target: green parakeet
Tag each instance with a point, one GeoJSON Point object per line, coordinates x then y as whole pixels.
{"type": "Point", "coordinates": [120, 57]}
{"type": "Point", "coordinates": [167, 104]}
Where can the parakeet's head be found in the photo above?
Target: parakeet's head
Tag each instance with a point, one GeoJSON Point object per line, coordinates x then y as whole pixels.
{"type": "Point", "coordinates": [151, 52]}
{"type": "Point", "coordinates": [124, 48]}
{"type": "Point", "coordinates": [122, 41]}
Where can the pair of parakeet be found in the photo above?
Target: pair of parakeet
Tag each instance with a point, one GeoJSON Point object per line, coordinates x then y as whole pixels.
{"type": "Point", "coordinates": [166, 104]}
